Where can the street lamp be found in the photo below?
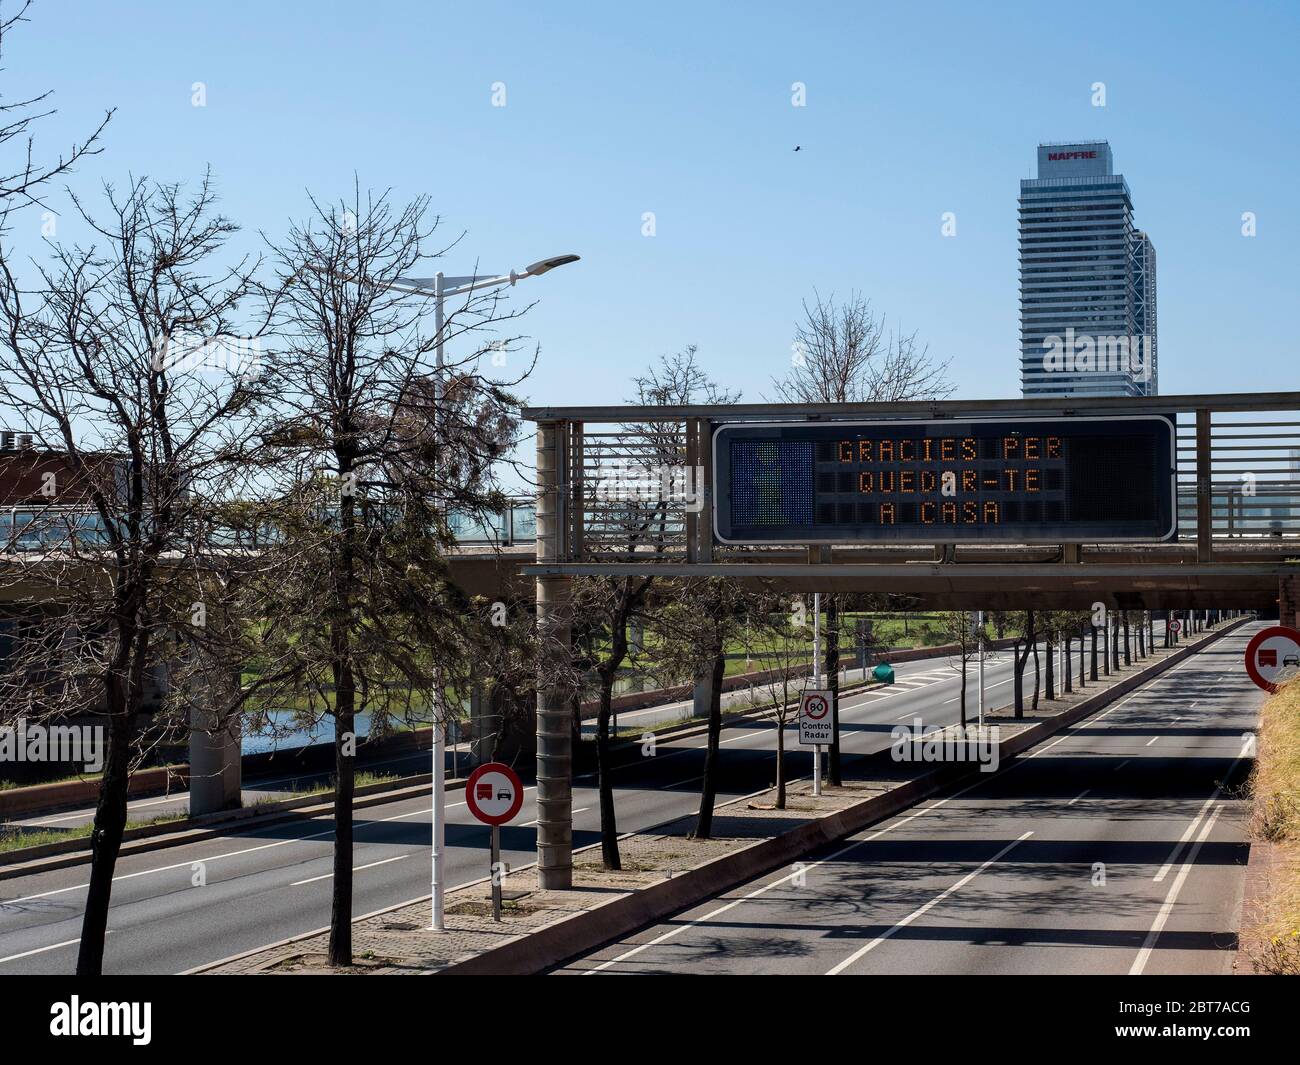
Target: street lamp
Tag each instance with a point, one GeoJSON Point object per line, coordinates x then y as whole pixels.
{"type": "Point", "coordinates": [440, 287]}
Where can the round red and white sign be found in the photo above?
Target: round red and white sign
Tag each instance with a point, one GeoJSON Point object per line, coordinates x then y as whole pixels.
{"type": "Point", "coordinates": [816, 707]}
{"type": "Point", "coordinates": [494, 793]}
{"type": "Point", "coordinates": [1175, 625]}
{"type": "Point", "coordinates": [1272, 655]}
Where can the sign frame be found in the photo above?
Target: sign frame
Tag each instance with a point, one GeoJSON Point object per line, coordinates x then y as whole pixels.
{"type": "Point", "coordinates": [942, 428]}
{"type": "Point", "coordinates": [1252, 649]}
{"type": "Point", "coordinates": [516, 805]}
{"type": "Point", "coordinates": [824, 722]}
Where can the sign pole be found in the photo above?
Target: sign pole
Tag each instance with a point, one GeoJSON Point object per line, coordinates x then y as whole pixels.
{"type": "Point", "coordinates": [495, 870]}
{"type": "Point", "coordinates": [817, 683]}
{"type": "Point", "coordinates": [439, 800]}
{"type": "Point", "coordinates": [979, 635]}
{"type": "Point", "coordinates": [494, 794]}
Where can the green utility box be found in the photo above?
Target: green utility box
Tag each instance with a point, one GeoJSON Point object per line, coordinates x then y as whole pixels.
{"type": "Point", "coordinates": [884, 673]}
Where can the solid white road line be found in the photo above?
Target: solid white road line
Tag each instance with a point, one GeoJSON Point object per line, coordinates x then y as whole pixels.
{"type": "Point", "coordinates": [1187, 833]}
{"type": "Point", "coordinates": [973, 690]}
{"type": "Point", "coordinates": [1162, 917]}
{"type": "Point", "coordinates": [1078, 797]}
{"type": "Point", "coordinates": [355, 869]}
{"type": "Point", "coordinates": [921, 911]}
{"type": "Point", "coordinates": [42, 950]}
{"type": "Point", "coordinates": [579, 810]}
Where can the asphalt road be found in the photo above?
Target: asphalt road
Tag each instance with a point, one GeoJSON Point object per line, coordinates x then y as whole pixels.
{"type": "Point", "coordinates": [1117, 847]}
{"type": "Point", "coordinates": [282, 786]}
{"type": "Point", "coordinates": [181, 907]}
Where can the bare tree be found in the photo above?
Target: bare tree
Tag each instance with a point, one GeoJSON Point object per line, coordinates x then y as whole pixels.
{"type": "Point", "coordinates": [1026, 645]}
{"type": "Point", "coordinates": [605, 606]}
{"type": "Point", "coordinates": [781, 629]}
{"type": "Point", "coordinates": [846, 353]}
{"type": "Point", "coordinates": [374, 450]}
{"type": "Point", "coordinates": [699, 619]}
{"type": "Point", "coordinates": [123, 362]}
{"type": "Point", "coordinates": [959, 628]}
{"type": "Point", "coordinates": [22, 175]}
{"type": "Point", "coordinates": [628, 478]}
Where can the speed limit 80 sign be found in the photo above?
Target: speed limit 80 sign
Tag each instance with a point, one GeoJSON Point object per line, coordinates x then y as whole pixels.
{"type": "Point", "coordinates": [815, 719]}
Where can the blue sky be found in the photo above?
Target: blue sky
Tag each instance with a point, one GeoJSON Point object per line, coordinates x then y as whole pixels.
{"type": "Point", "coordinates": [685, 110]}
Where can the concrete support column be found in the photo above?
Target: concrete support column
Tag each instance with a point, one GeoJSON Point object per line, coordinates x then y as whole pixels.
{"type": "Point", "coordinates": [554, 665]}
{"type": "Point", "coordinates": [484, 726]}
{"type": "Point", "coordinates": [216, 772]}
{"type": "Point", "coordinates": [1288, 601]}
{"type": "Point", "coordinates": [700, 696]}
{"type": "Point", "coordinates": [554, 736]}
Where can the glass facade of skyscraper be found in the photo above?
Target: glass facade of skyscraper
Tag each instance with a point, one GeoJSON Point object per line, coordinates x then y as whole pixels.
{"type": "Point", "coordinates": [1087, 279]}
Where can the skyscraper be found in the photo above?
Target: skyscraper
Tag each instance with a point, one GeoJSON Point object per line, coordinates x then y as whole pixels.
{"type": "Point", "coordinates": [1087, 279]}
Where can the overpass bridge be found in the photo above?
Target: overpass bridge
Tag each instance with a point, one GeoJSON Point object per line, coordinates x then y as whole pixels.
{"type": "Point", "coordinates": [630, 490]}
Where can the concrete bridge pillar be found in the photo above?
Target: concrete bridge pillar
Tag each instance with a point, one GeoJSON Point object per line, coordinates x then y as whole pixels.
{"type": "Point", "coordinates": [216, 771]}
{"type": "Point", "coordinates": [701, 696]}
{"type": "Point", "coordinates": [554, 666]}
{"type": "Point", "coordinates": [484, 726]}
{"type": "Point", "coordinates": [1288, 601]}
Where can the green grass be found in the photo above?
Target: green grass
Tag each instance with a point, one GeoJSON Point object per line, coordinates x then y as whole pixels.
{"type": "Point", "coordinates": [10, 785]}
{"type": "Point", "coordinates": [1271, 930]}
{"type": "Point", "coordinates": [13, 839]}
{"type": "Point", "coordinates": [361, 779]}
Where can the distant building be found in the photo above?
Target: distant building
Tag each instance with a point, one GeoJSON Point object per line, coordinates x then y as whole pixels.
{"type": "Point", "coordinates": [1087, 279]}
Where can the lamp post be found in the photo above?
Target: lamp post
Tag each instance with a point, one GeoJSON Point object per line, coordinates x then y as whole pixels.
{"type": "Point", "coordinates": [440, 287]}
{"type": "Point", "coordinates": [817, 683]}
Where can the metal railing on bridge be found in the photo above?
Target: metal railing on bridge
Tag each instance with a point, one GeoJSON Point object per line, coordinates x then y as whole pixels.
{"type": "Point", "coordinates": [1237, 470]}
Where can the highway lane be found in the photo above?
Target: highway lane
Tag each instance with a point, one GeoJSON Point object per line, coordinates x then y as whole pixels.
{"type": "Point", "coordinates": [281, 785]}
{"type": "Point", "coordinates": [1113, 848]}
{"type": "Point", "coordinates": [261, 885]}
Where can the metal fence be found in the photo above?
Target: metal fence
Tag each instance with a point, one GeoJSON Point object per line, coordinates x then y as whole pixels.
{"type": "Point", "coordinates": [620, 480]}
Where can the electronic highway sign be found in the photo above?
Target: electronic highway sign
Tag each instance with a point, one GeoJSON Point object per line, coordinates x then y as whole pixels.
{"type": "Point", "coordinates": [1015, 480]}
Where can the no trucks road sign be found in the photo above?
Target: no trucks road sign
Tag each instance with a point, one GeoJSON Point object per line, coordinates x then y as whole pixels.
{"type": "Point", "coordinates": [1272, 655]}
{"type": "Point", "coordinates": [494, 793]}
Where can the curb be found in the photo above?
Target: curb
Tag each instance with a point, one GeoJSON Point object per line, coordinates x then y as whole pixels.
{"type": "Point", "coordinates": [204, 968]}
{"type": "Point", "coordinates": [1254, 889]}
{"type": "Point", "coordinates": [570, 936]}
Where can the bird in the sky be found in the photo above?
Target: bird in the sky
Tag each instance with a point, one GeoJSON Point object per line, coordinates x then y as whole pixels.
{"type": "Point", "coordinates": [796, 147]}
